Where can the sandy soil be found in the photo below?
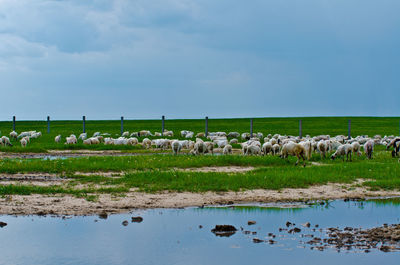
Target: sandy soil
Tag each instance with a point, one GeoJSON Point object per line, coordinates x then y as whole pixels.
{"type": "Point", "coordinates": [70, 205]}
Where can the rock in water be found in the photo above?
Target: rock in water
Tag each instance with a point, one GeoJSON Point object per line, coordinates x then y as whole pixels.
{"type": "Point", "coordinates": [125, 223]}
{"type": "Point", "coordinates": [137, 219]}
{"type": "Point", "coordinates": [224, 230]}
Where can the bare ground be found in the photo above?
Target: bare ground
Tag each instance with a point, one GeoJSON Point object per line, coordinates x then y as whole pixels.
{"type": "Point", "coordinates": [105, 203]}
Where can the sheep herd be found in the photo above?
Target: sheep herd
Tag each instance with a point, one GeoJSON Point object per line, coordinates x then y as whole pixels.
{"type": "Point", "coordinates": [282, 145]}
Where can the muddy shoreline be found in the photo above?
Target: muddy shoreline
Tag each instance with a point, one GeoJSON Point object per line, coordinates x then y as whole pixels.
{"type": "Point", "coordinates": [60, 205]}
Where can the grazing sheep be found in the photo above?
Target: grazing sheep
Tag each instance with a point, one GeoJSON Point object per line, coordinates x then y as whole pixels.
{"type": "Point", "coordinates": [227, 149]}
{"type": "Point", "coordinates": [266, 148]}
{"type": "Point", "coordinates": [176, 146]}
{"type": "Point", "coordinates": [233, 135]}
{"type": "Point", "coordinates": [200, 135]}
{"type": "Point", "coordinates": [210, 147]}
{"type": "Point", "coordinates": [322, 148]}
{"type": "Point", "coordinates": [168, 133]}
{"type": "Point", "coordinates": [396, 146]}
{"type": "Point", "coordinates": [96, 134]}
{"type": "Point", "coordinates": [221, 143]}
{"type": "Point", "coordinates": [82, 136]}
{"type": "Point", "coordinates": [294, 149]}
{"type": "Point", "coordinates": [108, 141]}
{"type": "Point", "coordinates": [275, 149]}
{"type": "Point", "coordinates": [260, 135]}
{"type": "Point", "coordinates": [14, 135]}
{"type": "Point", "coordinates": [233, 141]}
{"type": "Point", "coordinates": [132, 141]}
{"type": "Point", "coordinates": [369, 148]}
{"type": "Point", "coordinates": [245, 136]}
{"type": "Point", "coordinates": [134, 134]}
{"type": "Point", "coordinates": [157, 134]}
{"type": "Point", "coordinates": [189, 135]}
{"type": "Point", "coordinates": [273, 141]}
{"type": "Point", "coordinates": [23, 142]}
{"type": "Point", "coordinates": [145, 133]}
{"type": "Point", "coordinates": [185, 144]}
{"type": "Point", "coordinates": [125, 134]}
{"type": "Point", "coordinates": [356, 148]}
{"type": "Point", "coordinates": [87, 142]}
{"type": "Point", "coordinates": [200, 147]}
{"type": "Point", "coordinates": [244, 148]}
{"type": "Point", "coordinates": [146, 143]}
{"type": "Point", "coordinates": [94, 140]}
{"type": "Point", "coordinates": [71, 140]}
{"type": "Point", "coordinates": [343, 150]}
{"type": "Point", "coordinates": [253, 150]}
{"type": "Point", "coordinates": [57, 139]}
{"type": "Point", "coordinates": [308, 147]}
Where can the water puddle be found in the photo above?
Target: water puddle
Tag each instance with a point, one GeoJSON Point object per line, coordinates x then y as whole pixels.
{"type": "Point", "coordinates": [183, 236]}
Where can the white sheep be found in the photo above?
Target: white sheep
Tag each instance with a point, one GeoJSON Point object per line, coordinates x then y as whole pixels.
{"type": "Point", "coordinates": [294, 149]}
{"type": "Point", "coordinates": [369, 148]}
{"type": "Point", "coordinates": [82, 136]}
{"type": "Point", "coordinates": [322, 147]}
{"type": "Point", "coordinates": [233, 141]}
{"type": "Point", "coordinates": [87, 142]}
{"type": "Point", "coordinates": [343, 150]}
{"type": "Point", "coordinates": [13, 135]}
{"type": "Point", "coordinates": [266, 148]}
{"type": "Point", "coordinates": [275, 149]}
{"type": "Point", "coordinates": [125, 134]}
{"type": "Point", "coordinates": [57, 139]}
{"type": "Point", "coordinates": [356, 148]}
{"type": "Point", "coordinates": [253, 150]}
{"type": "Point", "coordinates": [146, 143]}
{"type": "Point", "coordinates": [23, 142]}
{"type": "Point", "coordinates": [132, 141]}
{"type": "Point", "coordinates": [5, 141]}
{"type": "Point", "coordinates": [227, 149]}
{"type": "Point", "coordinates": [176, 146]}
{"type": "Point", "coordinates": [308, 148]}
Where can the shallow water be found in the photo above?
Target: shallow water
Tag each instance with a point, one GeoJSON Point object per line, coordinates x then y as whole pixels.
{"type": "Point", "coordinates": [173, 236]}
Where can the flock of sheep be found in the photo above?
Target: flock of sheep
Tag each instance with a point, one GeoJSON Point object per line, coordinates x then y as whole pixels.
{"type": "Point", "coordinates": [283, 145]}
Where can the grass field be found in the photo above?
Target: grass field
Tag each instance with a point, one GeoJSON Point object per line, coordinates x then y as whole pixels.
{"type": "Point", "coordinates": [156, 173]}
{"type": "Point", "coordinates": [285, 126]}
{"type": "Point", "coordinates": [153, 173]}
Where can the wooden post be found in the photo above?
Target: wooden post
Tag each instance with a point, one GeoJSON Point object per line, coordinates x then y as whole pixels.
{"type": "Point", "coordinates": [162, 125]}
{"type": "Point", "coordinates": [84, 123]}
{"type": "Point", "coordinates": [13, 123]}
{"type": "Point", "coordinates": [48, 124]}
{"type": "Point", "coordinates": [122, 125]}
{"type": "Point", "coordinates": [206, 131]}
{"type": "Point", "coordinates": [301, 129]}
{"type": "Point", "coordinates": [251, 128]}
{"type": "Point", "coordinates": [349, 130]}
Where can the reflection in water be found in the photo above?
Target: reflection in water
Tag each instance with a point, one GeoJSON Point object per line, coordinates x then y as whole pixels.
{"type": "Point", "coordinates": [183, 236]}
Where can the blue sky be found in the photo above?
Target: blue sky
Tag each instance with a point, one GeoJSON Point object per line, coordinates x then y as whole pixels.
{"type": "Point", "coordinates": [192, 58]}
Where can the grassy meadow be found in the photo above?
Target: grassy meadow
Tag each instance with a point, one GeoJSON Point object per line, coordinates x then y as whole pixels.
{"type": "Point", "coordinates": [285, 126]}
{"type": "Point", "coordinates": [157, 172]}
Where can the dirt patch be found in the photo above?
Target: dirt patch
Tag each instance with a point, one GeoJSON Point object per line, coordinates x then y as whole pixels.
{"type": "Point", "coordinates": [70, 205]}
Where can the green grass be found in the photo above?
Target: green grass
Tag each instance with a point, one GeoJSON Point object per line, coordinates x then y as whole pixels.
{"type": "Point", "coordinates": [311, 125]}
{"type": "Point", "coordinates": [156, 173]}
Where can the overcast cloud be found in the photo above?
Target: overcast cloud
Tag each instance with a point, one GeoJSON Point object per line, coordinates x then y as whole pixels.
{"type": "Point", "coordinates": [192, 58]}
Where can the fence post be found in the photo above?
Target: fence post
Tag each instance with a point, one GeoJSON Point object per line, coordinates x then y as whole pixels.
{"type": "Point", "coordinates": [349, 130]}
{"type": "Point", "coordinates": [48, 124]}
{"type": "Point", "coordinates": [84, 123]}
{"type": "Point", "coordinates": [13, 123]}
{"type": "Point", "coordinates": [122, 125]}
{"type": "Point", "coordinates": [162, 125]}
{"type": "Point", "coordinates": [206, 131]}
{"type": "Point", "coordinates": [251, 128]}
{"type": "Point", "coordinates": [301, 129]}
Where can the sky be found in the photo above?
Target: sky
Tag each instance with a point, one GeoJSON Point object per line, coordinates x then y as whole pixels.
{"type": "Point", "coordinates": [193, 58]}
